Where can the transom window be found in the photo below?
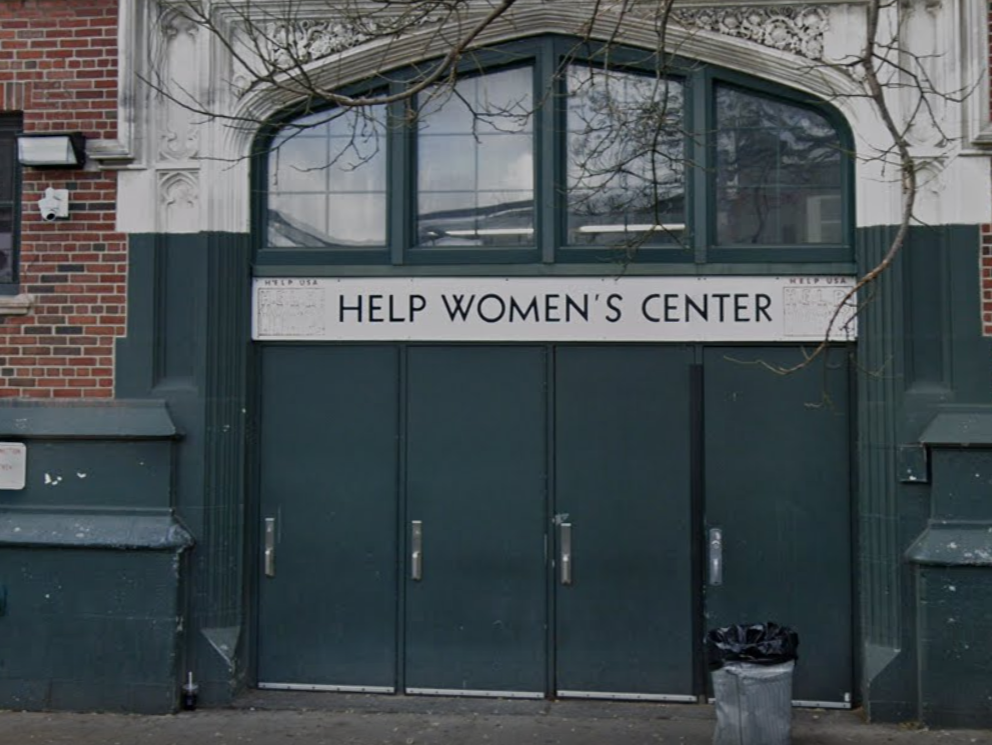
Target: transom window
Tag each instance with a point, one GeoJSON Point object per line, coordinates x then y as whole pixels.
{"type": "Point", "coordinates": [778, 173]}
{"type": "Point", "coordinates": [327, 181]}
{"type": "Point", "coordinates": [475, 162]}
{"type": "Point", "coordinates": [626, 157]}
{"type": "Point", "coordinates": [581, 161]}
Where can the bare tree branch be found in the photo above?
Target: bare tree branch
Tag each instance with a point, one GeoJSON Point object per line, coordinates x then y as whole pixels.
{"type": "Point", "coordinates": [869, 65]}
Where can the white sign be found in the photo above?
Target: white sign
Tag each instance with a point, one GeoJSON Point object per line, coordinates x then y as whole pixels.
{"type": "Point", "coordinates": [624, 309]}
{"type": "Point", "coordinates": [13, 465]}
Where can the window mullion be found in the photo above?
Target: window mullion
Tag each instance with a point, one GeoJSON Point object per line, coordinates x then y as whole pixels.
{"type": "Point", "coordinates": [400, 166]}
{"type": "Point", "coordinates": [700, 173]}
{"type": "Point", "coordinates": [548, 131]}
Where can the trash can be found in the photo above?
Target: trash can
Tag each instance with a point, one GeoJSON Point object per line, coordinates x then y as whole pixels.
{"type": "Point", "coordinates": [752, 668]}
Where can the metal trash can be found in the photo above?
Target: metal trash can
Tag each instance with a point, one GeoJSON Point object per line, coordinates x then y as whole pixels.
{"type": "Point", "coordinates": [752, 667]}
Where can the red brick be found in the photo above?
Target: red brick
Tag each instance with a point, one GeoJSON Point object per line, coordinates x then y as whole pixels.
{"type": "Point", "coordinates": [56, 53]}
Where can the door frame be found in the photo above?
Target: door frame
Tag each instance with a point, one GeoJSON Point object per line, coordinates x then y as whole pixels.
{"type": "Point", "coordinates": [253, 539]}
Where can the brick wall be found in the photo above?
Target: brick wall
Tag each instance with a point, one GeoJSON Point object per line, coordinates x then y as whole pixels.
{"type": "Point", "coordinates": [58, 65]}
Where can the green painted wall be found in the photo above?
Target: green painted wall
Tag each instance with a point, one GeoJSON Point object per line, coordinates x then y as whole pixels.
{"type": "Point", "coordinates": [922, 353]}
{"type": "Point", "coordinates": [188, 345]}
{"type": "Point", "coordinates": [91, 559]}
{"type": "Point", "coordinates": [188, 352]}
{"type": "Point", "coordinates": [90, 629]}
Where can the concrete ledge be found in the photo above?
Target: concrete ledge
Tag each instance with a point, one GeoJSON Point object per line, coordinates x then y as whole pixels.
{"type": "Point", "coordinates": [16, 305]}
{"type": "Point", "coordinates": [971, 427]}
{"type": "Point", "coordinates": [138, 532]}
{"type": "Point", "coordinates": [953, 544]}
{"type": "Point", "coordinates": [120, 419]}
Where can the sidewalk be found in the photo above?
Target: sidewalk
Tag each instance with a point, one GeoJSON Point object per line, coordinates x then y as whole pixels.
{"type": "Point", "coordinates": [270, 718]}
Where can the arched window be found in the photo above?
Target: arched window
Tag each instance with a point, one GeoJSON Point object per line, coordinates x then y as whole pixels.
{"type": "Point", "coordinates": [779, 172]}
{"type": "Point", "coordinates": [588, 159]}
{"type": "Point", "coordinates": [475, 161]}
{"type": "Point", "coordinates": [327, 181]}
{"type": "Point", "coordinates": [626, 157]}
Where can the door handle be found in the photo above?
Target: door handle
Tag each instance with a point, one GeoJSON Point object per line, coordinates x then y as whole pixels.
{"type": "Point", "coordinates": [565, 542]}
{"type": "Point", "coordinates": [716, 556]}
{"type": "Point", "coordinates": [270, 547]}
{"type": "Point", "coordinates": [416, 550]}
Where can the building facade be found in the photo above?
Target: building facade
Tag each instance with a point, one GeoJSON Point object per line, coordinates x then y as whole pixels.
{"type": "Point", "coordinates": [478, 389]}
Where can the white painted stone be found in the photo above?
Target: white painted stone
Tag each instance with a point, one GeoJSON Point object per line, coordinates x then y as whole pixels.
{"type": "Point", "coordinates": [802, 45]}
{"type": "Point", "coordinates": [512, 309]}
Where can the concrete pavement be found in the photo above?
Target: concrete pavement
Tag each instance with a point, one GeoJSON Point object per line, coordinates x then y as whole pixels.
{"type": "Point", "coordinates": [276, 718]}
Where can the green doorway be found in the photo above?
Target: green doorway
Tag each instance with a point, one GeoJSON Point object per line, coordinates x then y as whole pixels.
{"type": "Point", "coordinates": [623, 471]}
{"type": "Point", "coordinates": [476, 486]}
{"type": "Point", "coordinates": [533, 520]}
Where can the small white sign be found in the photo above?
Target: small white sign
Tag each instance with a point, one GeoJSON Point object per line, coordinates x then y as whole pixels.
{"type": "Point", "coordinates": [13, 465]}
{"type": "Point", "coordinates": [602, 309]}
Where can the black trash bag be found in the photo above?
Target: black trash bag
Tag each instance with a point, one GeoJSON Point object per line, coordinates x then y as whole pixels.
{"type": "Point", "coordinates": [758, 643]}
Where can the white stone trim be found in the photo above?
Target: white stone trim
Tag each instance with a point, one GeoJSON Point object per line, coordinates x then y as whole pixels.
{"type": "Point", "coordinates": [16, 305]}
{"type": "Point", "coordinates": [812, 60]}
{"type": "Point", "coordinates": [973, 55]}
{"type": "Point", "coordinates": [131, 29]}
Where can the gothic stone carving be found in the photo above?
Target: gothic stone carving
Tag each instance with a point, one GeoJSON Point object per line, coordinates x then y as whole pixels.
{"type": "Point", "coordinates": [299, 41]}
{"type": "Point", "coordinates": [179, 197]}
{"type": "Point", "coordinates": [178, 136]}
{"type": "Point", "coordinates": [798, 30]}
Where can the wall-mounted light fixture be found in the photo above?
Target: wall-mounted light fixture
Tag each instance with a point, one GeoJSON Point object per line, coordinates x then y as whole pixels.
{"type": "Point", "coordinates": [52, 150]}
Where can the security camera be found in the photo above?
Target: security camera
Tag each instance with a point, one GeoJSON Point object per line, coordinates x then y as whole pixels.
{"type": "Point", "coordinates": [54, 204]}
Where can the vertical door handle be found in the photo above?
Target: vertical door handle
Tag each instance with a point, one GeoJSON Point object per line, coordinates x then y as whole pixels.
{"type": "Point", "coordinates": [565, 542]}
{"type": "Point", "coordinates": [716, 556]}
{"type": "Point", "coordinates": [416, 550]}
{"type": "Point", "coordinates": [270, 547]}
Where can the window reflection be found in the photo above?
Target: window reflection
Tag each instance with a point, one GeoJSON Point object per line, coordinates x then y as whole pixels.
{"type": "Point", "coordinates": [779, 173]}
{"type": "Point", "coordinates": [9, 194]}
{"type": "Point", "coordinates": [475, 162]}
{"type": "Point", "coordinates": [626, 170]}
{"type": "Point", "coordinates": [771, 173]}
{"type": "Point", "coordinates": [327, 181]}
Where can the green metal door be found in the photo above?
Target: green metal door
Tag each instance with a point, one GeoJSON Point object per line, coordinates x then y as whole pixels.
{"type": "Point", "coordinates": [624, 576]}
{"type": "Point", "coordinates": [328, 472]}
{"type": "Point", "coordinates": [778, 506]}
{"type": "Point", "coordinates": [476, 507]}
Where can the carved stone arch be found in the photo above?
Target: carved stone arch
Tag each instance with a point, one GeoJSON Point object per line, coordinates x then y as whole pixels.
{"type": "Point", "coordinates": [711, 37]}
{"type": "Point", "coordinates": [707, 37]}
